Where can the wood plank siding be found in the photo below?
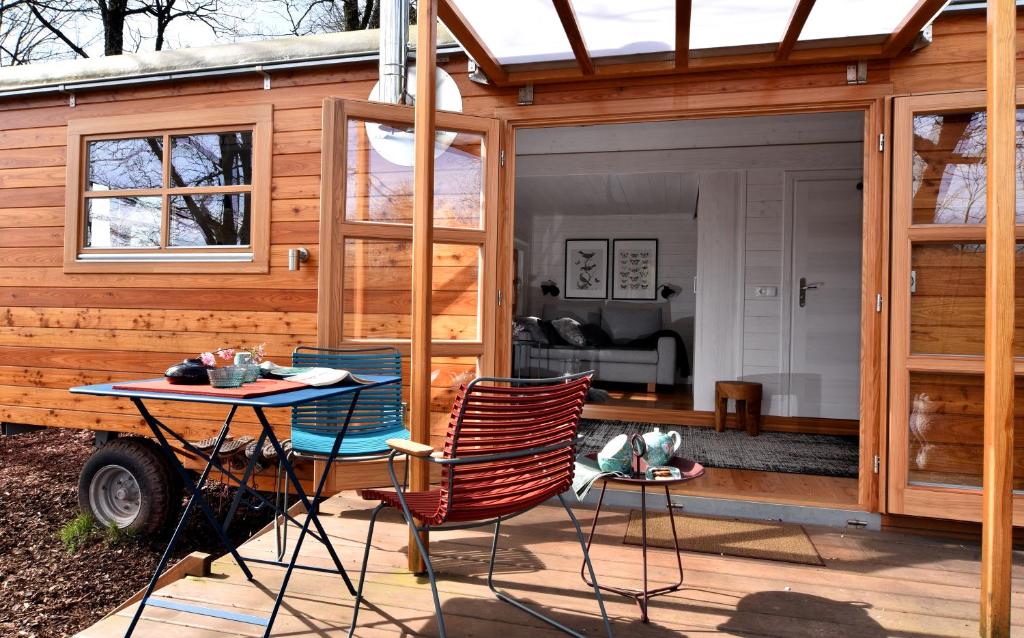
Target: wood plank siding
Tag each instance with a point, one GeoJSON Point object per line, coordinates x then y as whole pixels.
{"type": "Point", "coordinates": [59, 329]}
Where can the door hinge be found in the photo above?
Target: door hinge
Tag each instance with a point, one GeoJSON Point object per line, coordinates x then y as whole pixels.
{"type": "Point", "coordinates": [501, 157]}
{"type": "Point", "coordinates": [876, 464]}
{"type": "Point", "coordinates": [878, 302]}
{"type": "Point", "coordinates": [881, 142]}
{"type": "Point", "coordinates": [499, 298]}
{"type": "Point", "coordinates": [913, 281]}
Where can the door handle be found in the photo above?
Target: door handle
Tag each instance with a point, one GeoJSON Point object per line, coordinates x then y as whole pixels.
{"type": "Point", "coordinates": [804, 287]}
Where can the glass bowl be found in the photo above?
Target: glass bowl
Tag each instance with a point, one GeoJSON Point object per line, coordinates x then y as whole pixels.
{"type": "Point", "coordinates": [227, 377]}
{"type": "Point", "coordinates": [252, 372]}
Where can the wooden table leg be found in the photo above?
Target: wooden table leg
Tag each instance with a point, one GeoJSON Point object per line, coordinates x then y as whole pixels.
{"type": "Point", "coordinates": [754, 419]}
{"type": "Point", "coordinates": [721, 406]}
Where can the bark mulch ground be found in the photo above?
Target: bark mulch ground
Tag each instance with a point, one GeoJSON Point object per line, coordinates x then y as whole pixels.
{"type": "Point", "coordinates": [47, 591]}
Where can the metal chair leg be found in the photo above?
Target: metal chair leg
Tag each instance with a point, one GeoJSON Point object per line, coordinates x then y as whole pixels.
{"type": "Point", "coordinates": [430, 575]}
{"type": "Point", "coordinates": [505, 597]}
{"type": "Point", "coordinates": [362, 571]}
{"type": "Point", "coordinates": [590, 566]}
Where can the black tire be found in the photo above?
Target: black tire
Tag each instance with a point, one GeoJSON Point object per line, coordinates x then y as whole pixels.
{"type": "Point", "coordinates": [127, 483]}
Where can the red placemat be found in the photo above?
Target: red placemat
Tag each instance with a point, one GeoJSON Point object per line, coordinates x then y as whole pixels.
{"type": "Point", "coordinates": [260, 388]}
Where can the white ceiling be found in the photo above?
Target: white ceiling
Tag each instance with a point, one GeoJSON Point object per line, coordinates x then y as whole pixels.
{"type": "Point", "coordinates": [652, 168]}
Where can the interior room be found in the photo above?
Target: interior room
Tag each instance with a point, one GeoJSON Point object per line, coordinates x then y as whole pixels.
{"type": "Point", "coordinates": [671, 256]}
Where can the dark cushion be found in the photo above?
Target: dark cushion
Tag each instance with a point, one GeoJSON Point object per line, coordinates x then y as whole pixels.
{"type": "Point", "coordinates": [569, 330]}
{"type": "Point", "coordinates": [595, 335]}
{"type": "Point", "coordinates": [534, 330]}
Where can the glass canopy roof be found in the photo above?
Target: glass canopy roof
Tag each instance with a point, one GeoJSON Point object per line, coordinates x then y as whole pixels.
{"type": "Point", "coordinates": [530, 30]}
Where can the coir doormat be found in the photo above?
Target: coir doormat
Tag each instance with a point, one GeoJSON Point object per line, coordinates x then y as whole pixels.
{"type": "Point", "coordinates": [766, 540]}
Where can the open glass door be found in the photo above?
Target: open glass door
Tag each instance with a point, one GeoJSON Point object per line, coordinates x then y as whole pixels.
{"type": "Point", "coordinates": [938, 308]}
{"type": "Point", "coordinates": [365, 281]}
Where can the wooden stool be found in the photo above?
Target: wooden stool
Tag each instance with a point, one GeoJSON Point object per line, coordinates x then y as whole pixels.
{"type": "Point", "coordinates": [747, 395]}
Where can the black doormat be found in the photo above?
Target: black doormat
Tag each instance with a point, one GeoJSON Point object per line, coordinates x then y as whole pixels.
{"type": "Point", "coordinates": [791, 453]}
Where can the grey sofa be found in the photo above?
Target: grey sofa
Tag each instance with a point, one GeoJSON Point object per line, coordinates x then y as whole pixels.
{"type": "Point", "coordinates": [623, 323]}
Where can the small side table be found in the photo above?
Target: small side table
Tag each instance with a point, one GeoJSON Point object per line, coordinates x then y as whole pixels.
{"type": "Point", "coordinates": [747, 396]}
{"type": "Point", "coordinates": [689, 470]}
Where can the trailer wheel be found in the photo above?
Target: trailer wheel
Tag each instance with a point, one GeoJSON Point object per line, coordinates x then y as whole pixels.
{"type": "Point", "coordinates": [127, 483]}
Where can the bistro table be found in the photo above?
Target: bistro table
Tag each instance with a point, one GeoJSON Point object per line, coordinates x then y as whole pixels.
{"type": "Point", "coordinates": [284, 399]}
{"type": "Point", "coordinates": [688, 471]}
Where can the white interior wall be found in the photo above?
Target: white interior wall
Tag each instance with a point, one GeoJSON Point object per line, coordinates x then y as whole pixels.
{"type": "Point", "coordinates": [559, 172]}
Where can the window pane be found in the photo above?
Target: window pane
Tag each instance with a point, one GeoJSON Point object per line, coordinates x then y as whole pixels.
{"type": "Point", "coordinates": [379, 184]}
{"type": "Point", "coordinates": [127, 163]}
{"type": "Point", "coordinates": [212, 159]}
{"type": "Point", "coordinates": [947, 302]}
{"type": "Point", "coordinates": [738, 22]}
{"type": "Point", "coordinates": [648, 26]}
{"type": "Point", "coordinates": [378, 290]}
{"type": "Point", "coordinates": [949, 168]}
{"type": "Point", "coordinates": [518, 32]}
{"type": "Point", "coordinates": [210, 220]}
{"type": "Point", "coordinates": [122, 222]}
{"type": "Point", "coordinates": [847, 18]}
{"type": "Point", "coordinates": [946, 430]}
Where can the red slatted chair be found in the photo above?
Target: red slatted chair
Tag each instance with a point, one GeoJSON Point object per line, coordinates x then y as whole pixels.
{"type": "Point", "coordinates": [510, 447]}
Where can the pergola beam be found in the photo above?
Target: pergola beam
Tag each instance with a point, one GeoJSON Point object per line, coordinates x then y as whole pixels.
{"type": "Point", "coordinates": [684, 13]}
{"type": "Point", "coordinates": [796, 26]}
{"type": "Point", "coordinates": [1000, 259]}
{"type": "Point", "coordinates": [572, 31]}
{"type": "Point", "coordinates": [907, 30]}
{"type": "Point", "coordinates": [422, 248]}
{"type": "Point", "coordinates": [471, 41]}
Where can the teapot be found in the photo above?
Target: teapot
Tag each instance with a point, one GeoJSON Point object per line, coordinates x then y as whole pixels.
{"type": "Point", "coordinates": [661, 446]}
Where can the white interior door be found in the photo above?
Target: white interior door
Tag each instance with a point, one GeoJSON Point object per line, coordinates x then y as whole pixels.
{"type": "Point", "coordinates": [718, 338]}
{"type": "Point", "coordinates": [824, 375]}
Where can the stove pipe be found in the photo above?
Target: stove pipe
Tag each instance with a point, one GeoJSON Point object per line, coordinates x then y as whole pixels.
{"type": "Point", "coordinates": [394, 55]}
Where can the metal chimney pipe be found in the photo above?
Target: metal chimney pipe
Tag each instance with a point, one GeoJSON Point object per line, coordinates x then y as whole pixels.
{"type": "Point", "coordinates": [394, 43]}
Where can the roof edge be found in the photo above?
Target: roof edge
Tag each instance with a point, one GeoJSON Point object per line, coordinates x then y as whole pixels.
{"type": "Point", "coordinates": [239, 58]}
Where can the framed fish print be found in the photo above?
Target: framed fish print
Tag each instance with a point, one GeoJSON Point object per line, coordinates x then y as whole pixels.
{"type": "Point", "coordinates": [586, 268]}
{"type": "Point", "coordinates": [635, 269]}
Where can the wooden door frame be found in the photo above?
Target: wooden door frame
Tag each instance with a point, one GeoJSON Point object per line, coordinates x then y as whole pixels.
{"type": "Point", "coordinates": [869, 99]}
{"type": "Point", "coordinates": [334, 228]}
{"type": "Point", "coordinates": [922, 500]}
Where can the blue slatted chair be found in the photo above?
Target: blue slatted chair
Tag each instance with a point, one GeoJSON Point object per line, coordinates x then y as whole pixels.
{"type": "Point", "coordinates": [379, 414]}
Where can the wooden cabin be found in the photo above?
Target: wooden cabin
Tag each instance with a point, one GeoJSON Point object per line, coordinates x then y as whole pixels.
{"type": "Point", "coordinates": [97, 284]}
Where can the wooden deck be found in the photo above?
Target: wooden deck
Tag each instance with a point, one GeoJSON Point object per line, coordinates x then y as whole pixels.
{"type": "Point", "coordinates": [874, 585]}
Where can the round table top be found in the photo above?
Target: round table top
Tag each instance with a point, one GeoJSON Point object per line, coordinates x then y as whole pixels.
{"type": "Point", "coordinates": [688, 470]}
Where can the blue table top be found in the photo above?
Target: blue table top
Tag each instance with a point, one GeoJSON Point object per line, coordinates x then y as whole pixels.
{"type": "Point", "coordinates": [280, 400]}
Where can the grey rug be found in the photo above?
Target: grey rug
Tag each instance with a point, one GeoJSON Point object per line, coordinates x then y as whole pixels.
{"type": "Point", "coordinates": [791, 453]}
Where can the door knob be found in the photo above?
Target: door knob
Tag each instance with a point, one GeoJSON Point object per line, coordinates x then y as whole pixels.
{"type": "Point", "coordinates": [804, 287]}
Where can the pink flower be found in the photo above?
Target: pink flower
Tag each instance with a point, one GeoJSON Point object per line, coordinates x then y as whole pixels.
{"type": "Point", "coordinates": [208, 359]}
{"type": "Point", "coordinates": [259, 352]}
{"type": "Point", "coordinates": [227, 354]}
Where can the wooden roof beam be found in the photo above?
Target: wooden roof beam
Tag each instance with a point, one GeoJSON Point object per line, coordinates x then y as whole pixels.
{"type": "Point", "coordinates": [467, 36]}
{"type": "Point", "coordinates": [684, 11]}
{"type": "Point", "coordinates": [907, 30]}
{"type": "Point", "coordinates": [796, 25]}
{"type": "Point", "coordinates": [572, 31]}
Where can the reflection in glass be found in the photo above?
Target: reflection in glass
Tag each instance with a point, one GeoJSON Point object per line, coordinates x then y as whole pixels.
{"type": "Point", "coordinates": [211, 159]}
{"type": "Point", "coordinates": [947, 301]}
{"type": "Point", "coordinates": [378, 277]}
{"type": "Point", "coordinates": [124, 164]}
{"type": "Point", "coordinates": [946, 430]}
{"type": "Point", "coordinates": [380, 191]}
{"type": "Point", "coordinates": [122, 222]}
{"type": "Point", "coordinates": [210, 220]}
{"type": "Point", "coordinates": [949, 168]}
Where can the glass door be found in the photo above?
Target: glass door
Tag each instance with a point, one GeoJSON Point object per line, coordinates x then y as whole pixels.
{"type": "Point", "coordinates": [938, 308]}
{"type": "Point", "coordinates": [366, 239]}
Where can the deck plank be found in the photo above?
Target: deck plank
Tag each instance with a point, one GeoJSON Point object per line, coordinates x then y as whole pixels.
{"type": "Point", "coordinates": [874, 584]}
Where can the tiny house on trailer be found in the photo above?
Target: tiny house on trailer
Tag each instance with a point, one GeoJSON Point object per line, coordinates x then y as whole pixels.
{"type": "Point", "coordinates": [808, 203]}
